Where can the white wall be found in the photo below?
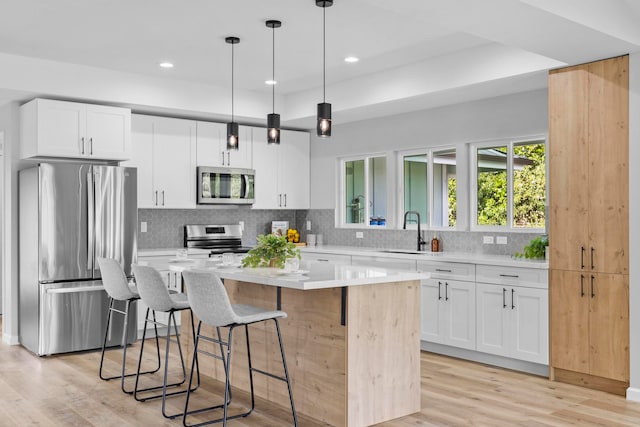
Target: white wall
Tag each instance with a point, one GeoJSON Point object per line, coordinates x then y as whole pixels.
{"type": "Point", "coordinates": [633, 393]}
{"type": "Point", "coordinates": [9, 123]}
{"type": "Point", "coordinates": [502, 117]}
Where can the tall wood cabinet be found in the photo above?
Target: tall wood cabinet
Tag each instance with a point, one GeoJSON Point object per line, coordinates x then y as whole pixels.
{"type": "Point", "coordinates": [589, 223]}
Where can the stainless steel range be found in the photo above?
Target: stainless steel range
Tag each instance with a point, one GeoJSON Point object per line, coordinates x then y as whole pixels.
{"type": "Point", "coordinates": [216, 239]}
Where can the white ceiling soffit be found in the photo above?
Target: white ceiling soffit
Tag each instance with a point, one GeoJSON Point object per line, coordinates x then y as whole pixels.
{"type": "Point", "coordinates": [413, 54]}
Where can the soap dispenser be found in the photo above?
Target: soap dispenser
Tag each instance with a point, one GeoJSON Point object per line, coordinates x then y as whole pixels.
{"type": "Point", "coordinates": [435, 244]}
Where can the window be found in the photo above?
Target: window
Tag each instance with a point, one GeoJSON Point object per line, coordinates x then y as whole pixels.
{"type": "Point", "coordinates": [429, 186]}
{"type": "Point", "coordinates": [510, 185]}
{"type": "Point", "coordinates": [364, 195]}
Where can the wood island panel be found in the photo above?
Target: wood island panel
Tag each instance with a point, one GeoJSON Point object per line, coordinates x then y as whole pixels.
{"type": "Point", "coordinates": [357, 374]}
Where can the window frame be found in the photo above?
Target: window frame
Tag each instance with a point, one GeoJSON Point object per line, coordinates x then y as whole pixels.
{"type": "Point", "coordinates": [429, 152]}
{"type": "Point", "coordinates": [341, 212]}
{"type": "Point", "coordinates": [473, 188]}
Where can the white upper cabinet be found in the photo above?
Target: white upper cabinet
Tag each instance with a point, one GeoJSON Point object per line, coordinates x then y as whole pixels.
{"type": "Point", "coordinates": [282, 171]}
{"type": "Point", "coordinates": [165, 155]}
{"type": "Point", "coordinates": [74, 130]}
{"type": "Point", "coordinates": [212, 146]}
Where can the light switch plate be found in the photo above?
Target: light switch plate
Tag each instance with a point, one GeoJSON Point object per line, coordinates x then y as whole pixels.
{"type": "Point", "coordinates": [487, 240]}
{"type": "Point", "coordinates": [308, 225]}
{"type": "Point", "coordinates": [359, 235]}
{"type": "Point", "coordinates": [143, 227]}
{"type": "Point", "coordinates": [241, 224]}
{"type": "Point", "coordinates": [501, 240]}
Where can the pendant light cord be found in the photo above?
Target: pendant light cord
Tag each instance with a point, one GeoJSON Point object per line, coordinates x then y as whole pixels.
{"type": "Point", "coordinates": [273, 69]}
{"type": "Point", "coordinates": [232, 81]}
{"type": "Point", "coordinates": [324, 54]}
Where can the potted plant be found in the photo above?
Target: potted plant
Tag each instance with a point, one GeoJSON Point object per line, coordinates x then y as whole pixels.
{"type": "Point", "coordinates": [271, 251]}
{"type": "Point", "coordinates": [535, 249]}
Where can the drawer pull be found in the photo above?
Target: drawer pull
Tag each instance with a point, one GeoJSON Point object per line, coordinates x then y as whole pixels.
{"type": "Point", "coordinates": [593, 294]}
{"type": "Point", "coordinates": [582, 257]}
{"type": "Point", "coordinates": [443, 270]}
{"type": "Point", "coordinates": [322, 260]}
{"type": "Point", "coordinates": [581, 285]}
{"type": "Point", "coordinates": [515, 276]}
{"type": "Point", "coordinates": [593, 267]}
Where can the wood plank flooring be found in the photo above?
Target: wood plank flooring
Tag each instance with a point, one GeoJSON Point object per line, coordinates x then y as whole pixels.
{"type": "Point", "coordinates": [65, 390]}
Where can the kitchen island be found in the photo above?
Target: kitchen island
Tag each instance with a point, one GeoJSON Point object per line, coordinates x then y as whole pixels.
{"type": "Point", "coordinates": [352, 339]}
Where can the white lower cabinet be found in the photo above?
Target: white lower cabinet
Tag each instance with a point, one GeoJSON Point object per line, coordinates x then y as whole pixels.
{"type": "Point", "coordinates": [448, 312]}
{"type": "Point", "coordinates": [513, 321]}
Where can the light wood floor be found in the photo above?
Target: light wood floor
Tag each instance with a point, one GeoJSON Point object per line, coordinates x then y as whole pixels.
{"type": "Point", "coordinates": [65, 391]}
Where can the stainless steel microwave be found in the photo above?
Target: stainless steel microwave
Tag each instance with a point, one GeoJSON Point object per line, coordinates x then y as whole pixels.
{"type": "Point", "coordinates": [229, 186]}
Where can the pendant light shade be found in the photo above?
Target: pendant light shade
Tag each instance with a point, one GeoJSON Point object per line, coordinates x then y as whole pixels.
{"type": "Point", "coordinates": [232, 128]}
{"type": "Point", "coordinates": [273, 119]}
{"type": "Point", "coordinates": [323, 127]}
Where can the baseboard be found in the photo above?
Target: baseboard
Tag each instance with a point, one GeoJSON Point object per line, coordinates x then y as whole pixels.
{"type": "Point", "coordinates": [633, 394]}
{"type": "Point", "coordinates": [591, 381]}
{"type": "Point", "coordinates": [10, 339]}
{"type": "Point", "coordinates": [487, 359]}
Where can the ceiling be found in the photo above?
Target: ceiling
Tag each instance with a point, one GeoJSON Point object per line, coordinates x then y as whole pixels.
{"type": "Point", "coordinates": [414, 54]}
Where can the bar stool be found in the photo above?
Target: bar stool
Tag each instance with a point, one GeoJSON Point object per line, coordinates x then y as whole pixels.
{"type": "Point", "coordinates": [156, 296]}
{"type": "Point", "coordinates": [118, 289]}
{"type": "Point", "coordinates": [210, 302]}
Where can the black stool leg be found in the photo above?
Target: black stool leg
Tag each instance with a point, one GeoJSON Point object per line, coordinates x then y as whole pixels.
{"type": "Point", "coordinates": [286, 373]}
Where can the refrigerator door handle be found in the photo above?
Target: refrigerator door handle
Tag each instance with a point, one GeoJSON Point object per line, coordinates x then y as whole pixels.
{"type": "Point", "coordinates": [90, 220]}
{"type": "Point", "coordinates": [74, 290]}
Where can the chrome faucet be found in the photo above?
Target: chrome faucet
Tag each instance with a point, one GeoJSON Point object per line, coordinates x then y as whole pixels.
{"type": "Point", "coordinates": [421, 241]}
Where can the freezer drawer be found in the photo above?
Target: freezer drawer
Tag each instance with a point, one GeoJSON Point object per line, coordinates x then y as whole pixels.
{"type": "Point", "coordinates": [73, 317]}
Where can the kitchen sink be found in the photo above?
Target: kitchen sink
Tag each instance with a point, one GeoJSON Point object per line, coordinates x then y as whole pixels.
{"type": "Point", "coordinates": [409, 251]}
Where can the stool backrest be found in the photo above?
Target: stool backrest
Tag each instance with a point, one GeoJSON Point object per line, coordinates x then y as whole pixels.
{"type": "Point", "coordinates": [152, 289]}
{"type": "Point", "coordinates": [208, 298]}
{"type": "Point", "coordinates": [114, 280]}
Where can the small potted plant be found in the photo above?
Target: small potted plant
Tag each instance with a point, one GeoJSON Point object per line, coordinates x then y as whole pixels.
{"type": "Point", "coordinates": [271, 251]}
{"type": "Point", "coordinates": [535, 249]}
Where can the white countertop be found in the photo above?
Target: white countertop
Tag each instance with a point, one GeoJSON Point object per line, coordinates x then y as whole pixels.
{"type": "Point", "coordinates": [316, 275]}
{"type": "Point", "coordinates": [482, 259]}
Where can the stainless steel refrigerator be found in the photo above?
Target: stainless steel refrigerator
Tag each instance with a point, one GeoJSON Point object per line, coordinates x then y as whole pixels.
{"type": "Point", "coordinates": [69, 215]}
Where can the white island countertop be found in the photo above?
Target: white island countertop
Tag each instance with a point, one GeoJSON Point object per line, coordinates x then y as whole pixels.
{"type": "Point", "coordinates": [316, 275]}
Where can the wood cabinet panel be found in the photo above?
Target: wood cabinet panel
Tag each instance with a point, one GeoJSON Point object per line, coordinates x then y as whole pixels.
{"type": "Point", "coordinates": [609, 326]}
{"type": "Point", "coordinates": [609, 166]}
{"type": "Point", "coordinates": [568, 167]}
{"type": "Point", "coordinates": [569, 317]}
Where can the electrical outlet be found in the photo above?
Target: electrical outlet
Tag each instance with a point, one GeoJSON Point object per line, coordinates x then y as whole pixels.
{"type": "Point", "coordinates": [143, 227]}
{"type": "Point", "coordinates": [359, 235]}
{"type": "Point", "coordinates": [487, 240]}
{"type": "Point", "coordinates": [308, 225]}
{"type": "Point", "coordinates": [241, 224]}
{"type": "Point", "coordinates": [501, 240]}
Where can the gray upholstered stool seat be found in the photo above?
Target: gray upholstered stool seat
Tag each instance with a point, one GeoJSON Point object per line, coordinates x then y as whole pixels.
{"type": "Point", "coordinates": [156, 296]}
{"type": "Point", "coordinates": [210, 302]}
{"type": "Point", "coordinates": [118, 288]}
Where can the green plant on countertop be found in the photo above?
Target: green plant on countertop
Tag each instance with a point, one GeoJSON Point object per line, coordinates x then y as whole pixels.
{"type": "Point", "coordinates": [271, 251]}
{"type": "Point", "coordinates": [535, 249]}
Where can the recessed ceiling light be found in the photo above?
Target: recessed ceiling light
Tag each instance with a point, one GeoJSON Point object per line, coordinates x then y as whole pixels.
{"type": "Point", "coordinates": [166, 65]}
{"type": "Point", "coordinates": [271, 82]}
{"type": "Point", "coordinates": [351, 59]}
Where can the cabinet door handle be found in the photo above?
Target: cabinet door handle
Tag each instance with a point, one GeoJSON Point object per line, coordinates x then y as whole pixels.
{"type": "Point", "coordinates": [592, 266]}
{"type": "Point", "coordinates": [162, 197]}
{"type": "Point", "coordinates": [582, 257]}
{"type": "Point", "coordinates": [515, 276]}
{"type": "Point", "coordinates": [285, 200]}
{"type": "Point", "coordinates": [442, 270]}
{"type": "Point", "coordinates": [280, 200]}
{"type": "Point", "coordinates": [512, 304]}
{"type": "Point", "coordinates": [593, 293]}
{"type": "Point", "coordinates": [91, 146]}
{"type": "Point", "coordinates": [228, 158]}
{"type": "Point", "coordinates": [581, 285]}
{"type": "Point", "coordinates": [446, 291]}
{"type": "Point", "coordinates": [504, 300]}
{"type": "Point", "coordinates": [156, 197]}
{"type": "Point", "coordinates": [82, 146]}
{"type": "Point", "coordinates": [439, 295]}
{"type": "Point", "coordinates": [222, 154]}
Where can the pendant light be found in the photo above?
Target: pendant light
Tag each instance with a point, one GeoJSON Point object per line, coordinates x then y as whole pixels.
{"type": "Point", "coordinates": [273, 119]}
{"type": "Point", "coordinates": [232, 128]}
{"type": "Point", "coordinates": [323, 127]}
